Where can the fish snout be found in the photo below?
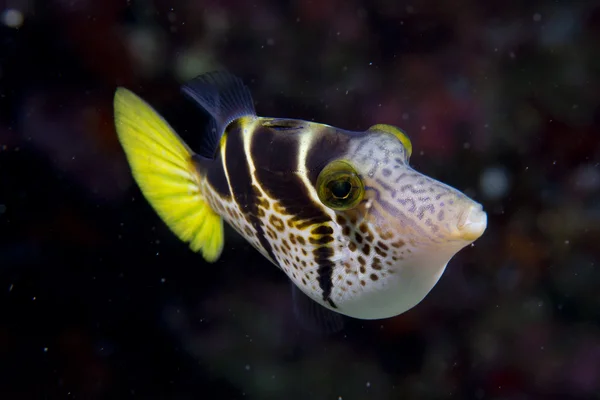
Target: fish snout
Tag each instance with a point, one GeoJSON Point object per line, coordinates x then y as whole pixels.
{"type": "Point", "coordinates": [472, 223]}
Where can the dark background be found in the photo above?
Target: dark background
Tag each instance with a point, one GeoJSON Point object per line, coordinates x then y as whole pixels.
{"type": "Point", "coordinates": [99, 300]}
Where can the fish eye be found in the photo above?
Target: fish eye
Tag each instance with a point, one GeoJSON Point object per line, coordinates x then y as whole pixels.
{"type": "Point", "coordinates": [398, 133]}
{"type": "Point", "coordinates": [340, 189]}
{"type": "Point", "coordinates": [339, 186]}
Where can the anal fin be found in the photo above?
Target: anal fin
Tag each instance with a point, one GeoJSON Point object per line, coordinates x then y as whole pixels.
{"type": "Point", "coordinates": [312, 316]}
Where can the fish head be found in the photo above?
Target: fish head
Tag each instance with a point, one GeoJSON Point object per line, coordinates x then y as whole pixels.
{"type": "Point", "coordinates": [397, 228]}
{"type": "Point", "coordinates": [403, 202]}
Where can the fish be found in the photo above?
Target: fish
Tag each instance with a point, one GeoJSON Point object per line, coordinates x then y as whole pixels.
{"type": "Point", "coordinates": [358, 231]}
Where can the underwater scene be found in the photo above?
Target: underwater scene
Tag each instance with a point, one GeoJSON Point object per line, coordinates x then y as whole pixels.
{"type": "Point", "coordinates": [334, 199]}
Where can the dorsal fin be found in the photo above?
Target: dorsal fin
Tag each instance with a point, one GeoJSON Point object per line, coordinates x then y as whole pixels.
{"type": "Point", "coordinates": [225, 97]}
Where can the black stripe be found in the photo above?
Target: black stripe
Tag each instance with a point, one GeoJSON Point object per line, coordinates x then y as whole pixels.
{"type": "Point", "coordinates": [329, 144]}
{"type": "Point", "coordinates": [274, 150]}
{"type": "Point", "coordinates": [215, 174]}
{"type": "Point", "coordinates": [275, 157]}
{"type": "Point", "coordinates": [323, 258]}
{"type": "Point", "coordinates": [244, 193]}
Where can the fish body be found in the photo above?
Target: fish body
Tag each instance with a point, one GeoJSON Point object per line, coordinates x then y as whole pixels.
{"type": "Point", "coordinates": [342, 213]}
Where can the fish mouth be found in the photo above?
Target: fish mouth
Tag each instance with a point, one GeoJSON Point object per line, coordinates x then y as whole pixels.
{"type": "Point", "coordinates": [472, 223]}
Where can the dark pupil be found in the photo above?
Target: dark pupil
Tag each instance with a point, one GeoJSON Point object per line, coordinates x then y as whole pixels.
{"type": "Point", "coordinates": [340, 189]}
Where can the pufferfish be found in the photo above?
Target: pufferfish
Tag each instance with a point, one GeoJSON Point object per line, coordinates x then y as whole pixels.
{"type": "Point", "coordinates": [353, 226]}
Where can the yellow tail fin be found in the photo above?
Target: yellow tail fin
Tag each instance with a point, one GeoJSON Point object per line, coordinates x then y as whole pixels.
{"type": "Point", "coordinates": [162, 166]}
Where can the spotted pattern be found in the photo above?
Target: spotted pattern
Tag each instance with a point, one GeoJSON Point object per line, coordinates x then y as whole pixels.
{"type": "Point", "coordinates": [351, 261]}
{"type": "Point", "coordinates": [420, 203]}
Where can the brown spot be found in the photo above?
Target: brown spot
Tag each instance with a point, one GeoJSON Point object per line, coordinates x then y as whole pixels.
{"type": "Point", "coordinates": [349, 283]}
{"type": "Point", "coordinates": [398, 243]}
{"type": "Point", "coordinates": [341, 220]}
{"type": "Point", "coordinates": [362, 282]}
{"type": "Point", "coordinates": [256, 191]}
{"type": "Point", "coordinates": [304, 252]}
{"type": "Point", "coordinates": [286, 245]}
{"type": "Point", "coordinates": [373, 277]}
{"type": "Point", "coordinates": [320, 240]}
{"type": "Point", "coordinates": [322, 230]}
{"type": "Point", "coordinates": [301, 240]}
{"type": "Point", "coordinates": [353, 219]}
{"type": "Point", "coordinates": [277, 223]}
{"type": "Point", "coordinates": [352, 246]}
{"type": "Point", "coordinates": [380, 252]}
{"type": "Point", "coordinates": [369, 237]}
{"type": "Point", "coordinates": [292, 238]}
{"type": "Point", "coordinates": [270, 233]}
{"type": "Point", "coordinates": [303, 263]}
{"type": "Point", "coordinates": [346, 230]}
{"type": "Point", "coordinates": [382, 245]}
{"type": "Point", "coordinates": [347, 267]}
{"type": "Point", "coordinates": [305, 224]}
{"type": "Point", "coordinates": [361, 260]}
{"type": "Point", "coordinates": [362, 269]}
{"type": "Point", "coordinates": [260, 212]}
{"type": "Point", "coordinates": [304, 281]}
{"type": "Point", "coordinates": [263, 203]}
{"type": "Point", "coordinates": [248, 231]}
{"type": "Point", "coordinates": [358, 237]}
{"type": "Point", "coordinates": [366, 249]}
{"type": "Point", "coordinates": [377, 264]}
{"type": "Point", "coordinates": [363, 228]}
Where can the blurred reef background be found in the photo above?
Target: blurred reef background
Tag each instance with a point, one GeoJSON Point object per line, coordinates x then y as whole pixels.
{"type": "Point", "coordinates": [98, 300]}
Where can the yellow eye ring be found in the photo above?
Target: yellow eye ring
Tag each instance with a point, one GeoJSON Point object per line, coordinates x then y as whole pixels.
{"type": "Point", "coordinates": [339, 186]}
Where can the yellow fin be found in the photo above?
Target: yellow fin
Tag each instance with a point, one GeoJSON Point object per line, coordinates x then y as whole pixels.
{"type": "Point", "coordinates": [162, 166]}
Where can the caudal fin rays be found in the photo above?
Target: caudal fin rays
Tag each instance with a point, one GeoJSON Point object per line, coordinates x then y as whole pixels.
{"type": "Point", "coordinates": [162, 166]}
